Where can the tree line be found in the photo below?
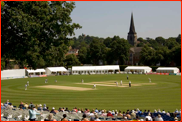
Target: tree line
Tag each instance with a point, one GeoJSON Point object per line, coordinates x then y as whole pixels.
{"type": "Point", "coordinates": [37, 34]}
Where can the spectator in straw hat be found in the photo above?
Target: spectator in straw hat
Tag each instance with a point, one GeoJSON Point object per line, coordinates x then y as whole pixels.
{"type": "Point", "coordinates": [40, 107]}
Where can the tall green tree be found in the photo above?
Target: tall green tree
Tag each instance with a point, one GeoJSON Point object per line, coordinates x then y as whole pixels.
{"type": "Point", "coordinates": [119, 49]}
{"type": "Point", "coordinates": [35, 30]}
{"type": "Point", "coordinates": [147, 56]}
{"type": "Point", "coordinates": [71, 60]}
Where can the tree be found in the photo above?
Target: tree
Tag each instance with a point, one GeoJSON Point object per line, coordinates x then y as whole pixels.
{"type": "Point", "coordinates": [107, 41]}
{"type": "Point", "coordinates": [82, 55]}
{"type": "Point", "coordinates": [97, 51]}
{"type": "Point", "coordinates": [147, 56]}
{"type": "Point", "coordinates": [175, 55]}
{"type": "Point", "coordinates": [162, 56]}
{"type": "Point", "coordinates": [171, 42]}
{"type": "Point", "coordinates": [119, 49]}
{"type": "Point", "coordinates": [71, 60]}
{"type": "Point", "coordinates": [31, 35]}
{"type": "Point", "coordinates": [178, 39]}
{"type": "Point", "coordinates": [160, 40]}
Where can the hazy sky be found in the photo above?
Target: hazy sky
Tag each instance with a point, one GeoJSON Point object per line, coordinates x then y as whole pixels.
{"type": "Point", "coordinates": [109, 18]}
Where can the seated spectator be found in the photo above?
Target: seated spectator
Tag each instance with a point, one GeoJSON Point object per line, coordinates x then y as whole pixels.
{"type": "Point", "coordinates": [60, 109]}
{"type": "Point", "coordinates": [128, 115]}
{"type": "Point", "coordinates": [159, 118]}
{"type": "Point", "coordinates": [2, 106]}
{"type": "Point", "coordinates": [175, 118]}
{"type": "Point", "coordinates": [155, 111]}
{"type": "Point", "coordinates": [26, 105]}
{"type": "Point", "coordinates": [133, 114]}
{"type": "Point", "coordinates": [91, 114]}
{"type": "Point", "coordinates": [92, 118]}
{"type": "Point", "coordinates": [148, 117]}
{"type": "Point", "coordinates": [168, 114]}
{"type": "Point", "coordinates": [84, 118]}
{"type": "Point", "coordinates": [73, 111]}
{"type": "Point", "coordinates": [79, 111]}
{"type": "Point", "coordinates": [104, 113]}
{"type": "Point", "coordinates": [50, 118]}
{"type": "Point", "coordinates": [109, 114]}
{"type": "Point", "coordinates": [76, 109]}
{"type": "Point", "coordinates": [46, 109]}
{"type": "Point", "coordinates": [67, 110]}
{"type": "Point", "coordinates": [64, 118]}
{"type": "Point", "coordinates": [10, 106]}
{"type": "Point", "coordinates": [20, 108]}
{"type": "Point", "coordinates": [30, 104]}
{"type": "Point", "coordinates": [96, 110]}
{"type": "Point", "coordinates": [100, 112]}
{"type": "Point", "coordinates": [120, 114]}
{"type": "Point", "coordinates": [53, 110]}
{"type": "Point", "coordinates": [40, 107]}
{"type": "Point", "coordinates": [21, 104]}
{"type": "Point", "coordinates": [97, 118]}
{"type": "Point", "coordinates": [163, 112]}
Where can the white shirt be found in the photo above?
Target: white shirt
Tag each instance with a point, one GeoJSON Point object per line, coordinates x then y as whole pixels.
{"type": "Point", "coordinates": [129, 81]}
{"type": "Point", "coordinates": [25, 85]}
{"type": "Point", "coordinates": [121, 81]}
{"type": "Point", "coordinates": [149, 118]}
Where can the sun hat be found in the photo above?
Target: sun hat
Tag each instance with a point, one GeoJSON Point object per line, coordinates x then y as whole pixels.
{"type": "Point", "coordinates": [40, 105]}
{"type": "Point", "coordinates": [53, 108]}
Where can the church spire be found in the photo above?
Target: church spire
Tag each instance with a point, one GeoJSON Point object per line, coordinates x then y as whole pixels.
{"type": "Point", "coordinates": [132, 26]}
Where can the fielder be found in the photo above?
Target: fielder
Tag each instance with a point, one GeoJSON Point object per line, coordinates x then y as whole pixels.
{"type": "Point", "coordinates": [149, 80]}
{"type": "Point", "coordinates": [129, 83]}
{"type": "Point", "coordinates": [94, 86]}
{"type": "Point", "coordinates": [82, 81]}
{"type": "Point", "coordinates": [127, 77]}
{"type": "Point", "coordinates": [116, 83]}
{"type": "Point", "coordinates": [27, 83]}
{"type": "Point", "coordinates": [56, 81]}
{"type": "Point", "coordinates": [46, 81]}
{"type": "Point", "coordinates": [121, 83]}
{"type": "Point", "coordinates": [25, 86]}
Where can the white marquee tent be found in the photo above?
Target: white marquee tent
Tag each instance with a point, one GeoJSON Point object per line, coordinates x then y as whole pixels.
{"type": "Point", "coordinates": [56, 70]}
{"type": "Point", "coordinates": [167, 70]}
{"type": "Point", "coordinates": [143, 69]}
{"type": "Point", "coordinates": [36, 72]}
{"type": "Point", "coordinates": [95, 69]}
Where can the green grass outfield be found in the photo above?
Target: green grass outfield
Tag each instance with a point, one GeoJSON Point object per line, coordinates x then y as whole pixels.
{"type": "Point", "coordinates": [164, 94]}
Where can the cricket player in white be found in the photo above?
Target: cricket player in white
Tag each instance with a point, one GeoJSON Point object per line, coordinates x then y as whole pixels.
{"type": "Point", "coordinates": [82, 81]}
{"type": "Point", "coordinates": [121, 83]}
{"type": "Point", "coordinates": [94, 86]}
{"type": "Point", "coordinates": [46, 81]}
{"type": "Point", "coordinates": [56, 81]}
{"type": "Point", "coordinates": [27, 83]}
{"type": "Point", "coordinates": [25, 86]}
{"type": "Point", "coordinates": [129, 83]}
{"type": "Point", "coordinates": [116, 83]}
{"type": "Point", "coordinates": [149, 80]}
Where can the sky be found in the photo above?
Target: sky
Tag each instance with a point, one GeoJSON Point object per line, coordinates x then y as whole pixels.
{"type": "Point", "coordinates": [109, 18]}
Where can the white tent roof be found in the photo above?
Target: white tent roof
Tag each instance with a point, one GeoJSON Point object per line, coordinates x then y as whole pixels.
{"type": "Point", "coordinates": [167, 68]}
{"type": "Point", "coordinates": [138, 67]}
{"type": "Point", "coordinates": [90, 68]}
{"type": "Point", "coordinates": [37, 70]}
{"type": "Point", "coordinates": [55, 69]}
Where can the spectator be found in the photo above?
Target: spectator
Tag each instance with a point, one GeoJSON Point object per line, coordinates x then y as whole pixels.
{"type": "Point", "coordinates": [91, 114]}
{"type": "Point", "coordinates": [128, 115]}
{"type": "Point", "coordinates": [76, 109]}
{"type": "Point", "coordinates": [109, 114]}
{"type": "Point", "coordinates": [113, 112]}
{"type": "Point", "coordinates": [30, 104]}
{"type": "Point", "coordinates": [175, 118]}
{"type": "Point", "coordinates": [100, 112]}
{"type": "Point", "coordinates": [10, 106]}
{"type": "Point", "coordinates": [53, 110]}
{"type": "Point", "coordinates": [73, 111]}
{"type": "Point", "coordinates": [148, 117]}
{"type": "Point", "coordinates": [46, 109]}
{"type": "Point", "coordinates": [159, 118]}
{"type": "Point", "coordinates": [120, 114]}
{"type": "Point", "coordinates": [163, 112]}
{"type": "Point", "coordinates": [60, 109]}
{"type": "Point", "coordinates": [97, 118]}
{"type": "Point", "coordinates": [40, 107]}
{"type": "Point", "coordinates": [32, 113]}
{"type": "Point", "coordinates": [96, 110]}
{"type": "Point", "coordinates": [2, 106]}
{"type": "Point", "coordinates": [64, 118]}
{"type": "Point", "coordinates": [84, 118]}
{"type": "Point", "coordinates": [50, 118]}
{"type": "Point", "coordinates": [168, 114]}
{"type": "Point", "coordinates": [26, 105]}
{"type": "Point", "coordinates": [133, 114]}
{"type": "Point", "coordinates": [20, 108]}
{"type": "Point", "coordinates": [104, 113]}
{"type": "Point", "coordinates": [79, 110]}
{"type": "Point", "coordinates": [67, 110]}
{"type": "Point", "coordinates": [21, 105]}
{"type": "Point", "coordinates": [155, 111]}
{"type": "Point", "coordinates": [92, 118]}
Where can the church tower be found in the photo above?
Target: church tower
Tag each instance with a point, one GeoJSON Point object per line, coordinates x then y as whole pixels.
{"type": "Point", "coordinates": [132, 35]}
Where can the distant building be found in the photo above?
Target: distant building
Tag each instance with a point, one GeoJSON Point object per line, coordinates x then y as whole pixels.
{"type": "Point", "coordinates": [72, 51]}
{"type": "Point", "coordinates": [132, 35]}
{"type": "Point", "coordinates": [134, 56]}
